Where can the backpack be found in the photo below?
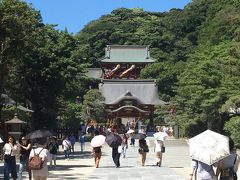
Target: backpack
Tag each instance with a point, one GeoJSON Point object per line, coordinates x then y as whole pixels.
{"type": "Point", "coordinates": [53, 148]}
{"type": "Point", "coordinates": [35, 162]}
{"type": "Point", "coordinates": [229, 174]}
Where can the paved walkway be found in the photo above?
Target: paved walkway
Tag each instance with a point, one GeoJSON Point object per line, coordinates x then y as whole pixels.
{"type": "Point", "coordinates": [175, 166]}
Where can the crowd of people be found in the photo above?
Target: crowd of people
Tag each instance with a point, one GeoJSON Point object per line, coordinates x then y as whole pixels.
{"type": "Point", "coordinates": [48, 148]}
{"type": "Point", "coordinates": [25, 149]}
{"type": "Point", "coordinates": [121, 148]}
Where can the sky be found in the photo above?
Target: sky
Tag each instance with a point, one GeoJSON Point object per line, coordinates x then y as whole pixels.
{"type": "Point", "coordinates": [75, 14]}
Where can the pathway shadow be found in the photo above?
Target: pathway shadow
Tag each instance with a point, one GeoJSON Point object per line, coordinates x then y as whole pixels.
{"type": "Point", "coordinates": [115, 167]}
{"type": "Point", "coordinates": [78, 155]}
{"type": "Point", "coordinates": [70, 167]}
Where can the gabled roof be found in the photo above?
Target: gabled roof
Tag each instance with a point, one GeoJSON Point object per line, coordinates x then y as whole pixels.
{"type": "Point", "coordinates": [129, 106]}
{"type": "Point", "coordinates": [127, 54]}
{"type": "Point", "coordinates": [127, 96]}
{"type": "Point", "coordinates": [144, 90]}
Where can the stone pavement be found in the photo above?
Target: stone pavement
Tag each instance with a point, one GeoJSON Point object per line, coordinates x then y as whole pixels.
{"type": "Point", "coordinates": [80, 166]}
{"type": "Point", "coordinates": [175, 166]}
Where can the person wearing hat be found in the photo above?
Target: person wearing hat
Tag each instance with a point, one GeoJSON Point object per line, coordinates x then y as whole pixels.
{"type": "Point", "coordinates": [25, 148]}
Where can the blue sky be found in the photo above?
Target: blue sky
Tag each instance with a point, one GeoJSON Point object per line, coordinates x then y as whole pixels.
{"type": "Point", "coordinates": [75, 14]}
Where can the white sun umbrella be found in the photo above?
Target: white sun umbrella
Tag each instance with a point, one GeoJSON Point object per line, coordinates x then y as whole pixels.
{"type": "Point", "coordinates": [130, 131]}
{"type": "Point", "coordinates": [209, 147]}
{"type": "Point", "coordinates": [160, 136]}
{"type": "Point", "coordinates": [98, 140]}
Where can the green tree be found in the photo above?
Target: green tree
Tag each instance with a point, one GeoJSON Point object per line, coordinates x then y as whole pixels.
{"type": "Point", "coordinates": [17, 20]}
{"type": "Point", "coordinates": [232, 109]}
{"type": "Point", "coordinates": [71, 116]}
{"type": "Point", "coordinates": [93, 106]}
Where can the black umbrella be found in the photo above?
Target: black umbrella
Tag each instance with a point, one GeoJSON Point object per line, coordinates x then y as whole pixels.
{"type": "Point", "coordinates": [113, 140]}
{"type": "Point", "coordinates": [38, 134]}
{"type": "Point", "coordinates": [139, 136]}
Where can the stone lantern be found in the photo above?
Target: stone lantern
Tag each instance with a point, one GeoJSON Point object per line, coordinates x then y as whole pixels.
{"type": "Point", "coordinates": [15, 126]}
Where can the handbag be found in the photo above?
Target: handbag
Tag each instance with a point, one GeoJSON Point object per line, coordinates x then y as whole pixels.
{"type": "Point", "coordinates": [7, 157]}
{"type": "Point", "coordinates": [145, 148]}
{"type": "Point", "coordinates": [163, 149]}
{"type": "Point", "coordinates": [140, 150]}
{"type": "Point", "coordinates": [120, 148]}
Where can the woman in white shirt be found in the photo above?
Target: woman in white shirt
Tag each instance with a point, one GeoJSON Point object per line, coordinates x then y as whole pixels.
{"type": "Point", "coordinates": [158, 150]}
{"type": "Point", "coordinates": [66, 144]}
{"type": "Point", "coordinates": [10, 150]}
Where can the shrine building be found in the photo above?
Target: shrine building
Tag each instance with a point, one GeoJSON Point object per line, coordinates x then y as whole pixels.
{"type": "Point", "coordinates": [127, 96]}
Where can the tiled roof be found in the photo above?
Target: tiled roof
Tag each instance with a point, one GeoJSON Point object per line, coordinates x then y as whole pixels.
{"type": "Point", "coordinates": [127, 53]}
{"type": "Point", "coordinates": [145, 91]}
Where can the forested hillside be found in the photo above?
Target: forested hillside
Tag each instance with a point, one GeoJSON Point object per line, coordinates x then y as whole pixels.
{"type": "Point", "coordinates": [197, 69]}
{"type": "Point", "coordinates": [197, 53]}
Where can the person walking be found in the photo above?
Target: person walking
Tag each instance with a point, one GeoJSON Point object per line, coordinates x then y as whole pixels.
{"type": "Point", "coordinates": [202, 171]}
{"type": "Point", "coordinates": [72, 139]}
{"type": "Point", "coordinates": [10, 150]}
{"type": "Point", "coordinates": [143, 149]}
{"type": "Point", "coordinates": [116, 156]}
{"type": "Point", "coordinates": [158, 151]}
{"type": "Point", "coordinates": [82, 140]}
{"type": "Point", "coordinates": [124, 145]}
{"type": "Point", "coordinates": [159, 147]}
{"type": "Point", "coordinates": [132, 141]}
{"type": "Point", "coordinates": [53, 148]}
{"type": "Point", "coordinates": [40, 149]}
{"type": "Point", "coordinates": [25, 148]}
{"type": "Point", "coordinates": [66, 144]}
{"type": "Point", "coordinates": [227, 167]}
{"type": "Point", "coordinates": [115, 153]}
{"type": "Point", "coordinates": [97, 153]}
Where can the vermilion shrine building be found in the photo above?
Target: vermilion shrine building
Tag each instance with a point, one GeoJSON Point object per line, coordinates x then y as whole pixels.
{"type": "Point", "coordinates": [127, 97]}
